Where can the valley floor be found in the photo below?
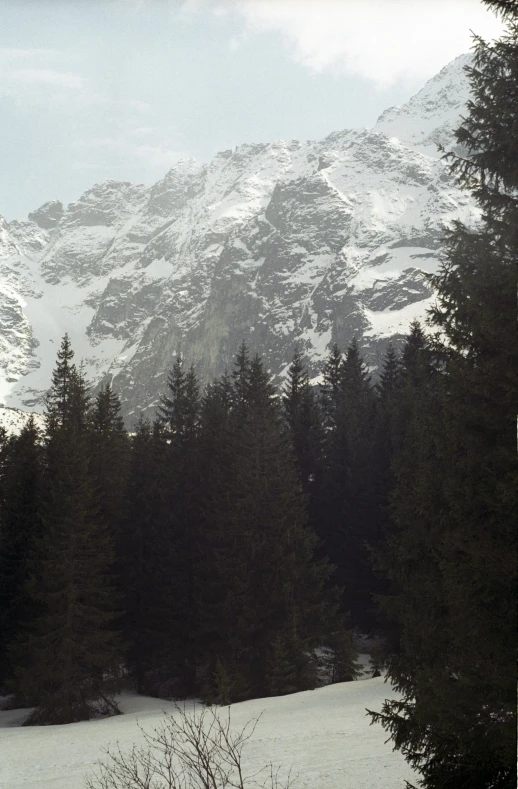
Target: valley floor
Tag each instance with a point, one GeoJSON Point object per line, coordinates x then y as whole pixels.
{"type": "Point", "coordinates": [324, 735]}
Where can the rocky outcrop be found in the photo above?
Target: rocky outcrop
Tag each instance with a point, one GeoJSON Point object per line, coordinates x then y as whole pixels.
{"type": "Point", "coordinates": [282, 244]}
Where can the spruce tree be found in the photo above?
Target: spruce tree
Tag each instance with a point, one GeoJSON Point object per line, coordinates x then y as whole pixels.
{"type": "Point", "coordinates": [386, 438]}
{"type": "Point", "coordinates": [305, 424]}
{"type": "Point", "coordinates": [146, 562]}
{"type": "Point", "coordinates": [109, 453]}
{"type": "Point", "coordinates": [387, 391]}
{"type": "Point", "coordinates": [344, 657]}
{"type": "Point", "coordinates": [347, 512]}
{"type": "Point", "coordinates": [180, 414]}
{"type": "Point", "coordinates": [20, 530]}
{"type": "Point", "coordinates": [68, 660]}
{"type": "Point", "coordinates": [330, 389]}
{"type": "Point", "coordinates": [263, 552]}
{"type": "Point", "coordinates": [455, 667]}
{"type": "Point", "coordinates": [216, 468]}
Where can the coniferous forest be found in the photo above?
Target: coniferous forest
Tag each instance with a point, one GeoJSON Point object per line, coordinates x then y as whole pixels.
{"type": "Point", "coordinates": [212, 551]}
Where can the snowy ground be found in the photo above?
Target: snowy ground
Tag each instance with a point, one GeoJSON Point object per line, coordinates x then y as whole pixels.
{"type": "Point", "coordinates": [323, 734]}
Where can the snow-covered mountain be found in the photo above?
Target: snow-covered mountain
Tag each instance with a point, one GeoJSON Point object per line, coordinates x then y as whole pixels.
{"type": "Point", "coordinates": [281, 244]}
{"type": "Point", "coordinates": [13, 420]}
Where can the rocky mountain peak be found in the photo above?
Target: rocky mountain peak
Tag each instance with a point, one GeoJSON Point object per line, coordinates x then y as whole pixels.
{"type": "Point", "coordinates": [432, 115]}
{"type": "Point", "coordinates": [282, 244]}
{"type": "Point", "coordinates": [48, 215]}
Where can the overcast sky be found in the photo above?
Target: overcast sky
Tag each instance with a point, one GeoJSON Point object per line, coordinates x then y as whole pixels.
{"type": "Point", "coordinates": [97, 89]}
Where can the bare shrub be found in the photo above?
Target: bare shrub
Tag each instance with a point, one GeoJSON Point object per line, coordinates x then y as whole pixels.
{"type": "Point", "coordinates": [197, 751]}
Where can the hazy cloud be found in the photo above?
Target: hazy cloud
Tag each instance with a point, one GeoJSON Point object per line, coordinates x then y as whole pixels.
{"type": "Point", "coordinates": [26, 73]}
{"type": "Point", "coordinates": [381, 41]}
{"type": "Point", "coordinates": [41, 74]}
{"type": "Point", "coordinates": [145, 144]}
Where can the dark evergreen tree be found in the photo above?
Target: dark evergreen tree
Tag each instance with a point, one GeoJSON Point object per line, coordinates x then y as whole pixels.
{"type": "Point", "coordinates": [180, 414]}
{"type": "Point", "coordinates": [343, 663]}
{"type": "Point", "coordinates": [456, 664]}
{"type": "Point", "coordinates": [347, 511]}
{"type": "Point", "coordinates": [146, 562]}
{"type": "Point", "coordinates": [59, 397]}
{"type": "Point", "coordinates": [216, 468]}
{"type": "Point", "coordinates": [355, 430]}
{"type": "Point", "coordinates": [293, 667]}
{"type": "Point", "coordinates": [387, 390]}
{"type": "Point", "coordinates": [263, 549]}
{"type": "Point", "coordinates": [20, 530]}
{"type": "Point", "coordinates": [386, 438]}
{"type": "Point", "coordinates": [415, 493]}
{"type": "Point", "coordinates": [305, 425]}
{"type": "Point", "coordinates": [241, 380]}
{"type": "Point", "coordinates": [109, 458]}
{"type": "Point", "coordinates": [69, 658]}
{"type": "Point", "coordinates": [330, 389]}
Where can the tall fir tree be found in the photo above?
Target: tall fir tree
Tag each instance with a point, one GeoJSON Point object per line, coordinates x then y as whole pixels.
{"type": "Point", "coordinates": [109, 450]}
{"type": "Point", "coordinates": [20, 529]}
{"type": "Point", "coordinates": [346, 495]}
{"type": "Point", "coordinates": [305, 425]}
{"type": "Point", "coordinates": [387, 391]}
{"type": "Point", "coordinates": [146, 554]}
{"type": "Point", "coordinates": [355, 429]}
{"type": "Point", "coordinates": [180, 414]}
{"type": "Point", "coordinates": [271, 588]}
{"type": "Point", "coordinates": [330, 388]}
{"type": "Point", "coordinates": [69, 659]}
{"type": "Point", "coordinates": [456, 664]}
{"type": "Point", "coordinates": [216, 468]}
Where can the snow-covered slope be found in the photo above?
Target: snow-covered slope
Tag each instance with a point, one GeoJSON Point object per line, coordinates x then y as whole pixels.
{"type": "Point", "coordinates": [432, 115]}
{"type": "Point", "coordinates": [323, 734]}
{"type": "Point", "coordinates": [281, 244]}
{"type": "Point", "coordinates": [13, 420]}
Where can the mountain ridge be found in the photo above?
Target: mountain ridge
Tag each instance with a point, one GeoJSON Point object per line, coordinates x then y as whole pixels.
{"type": "Point", "coordinates": [282, 244]}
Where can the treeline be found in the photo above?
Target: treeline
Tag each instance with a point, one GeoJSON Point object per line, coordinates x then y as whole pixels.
{"type": "Point", "coordinates": [210, 552]}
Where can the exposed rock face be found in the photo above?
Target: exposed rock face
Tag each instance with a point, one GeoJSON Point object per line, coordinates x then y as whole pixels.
{"type": "Point", "coordinates": [281, 244]}
{"type": "Point", "coordinates": [48, 215]}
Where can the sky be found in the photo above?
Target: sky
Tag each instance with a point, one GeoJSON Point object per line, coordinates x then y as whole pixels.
{"type": "Point", "coordinates": [122, 89]}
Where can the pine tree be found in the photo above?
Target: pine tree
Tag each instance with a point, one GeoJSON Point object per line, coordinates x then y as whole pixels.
{"type": "Point", "coordinates": [386, 438]}
{"type": "Point", "coordinates": [387, 391]}
{"type": "Point", "coordinates": [20, 530]}
{"type": "Point", "coordinates": [147, 558]}
{"type": "Point", "coordinates": [344, 664]}
{"type": "Point", "coordinates": [70, 656]}
{"type": "Point", "coordinates": [456, 665]}
{"type": "Point", "coordinates": [347, 497]}
{"type": "Point", "coordinates": [263, 549]}
{"type": "Point", "coordinates": [109, 453]}
{"type": "Point", "coordinates": [330, 388]}
{"type": "Point", "coordinates": [305, 425]}
{"type": "Point", "coordinates": [282, 670]}
{"type": "Point", "coordinates": [180, 414]}
{"type": "Point", "coordinates": [216, 468]}
{"type": "Point", "coordinates": [59, 397]}
{"type": "Point", "coordinates": [408, 559]}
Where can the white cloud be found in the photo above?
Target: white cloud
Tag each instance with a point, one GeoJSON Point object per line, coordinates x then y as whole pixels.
{"type": "Point", "coordinates": [384, 41]}
{"type": "Point", "coordinates": [37, 74]}
{"type": "Point", "coordinates": [140, 106]}
{"type": "Point", "coordinates": [15, 55]}
{"type": "Point", "coordinates": [46, 77]}
{"type": "Point", "coordinates": [145, 144]}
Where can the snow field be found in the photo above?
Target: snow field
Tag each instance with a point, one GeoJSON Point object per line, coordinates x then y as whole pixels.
{"type": "Point", "coordinates": [323, 735]}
